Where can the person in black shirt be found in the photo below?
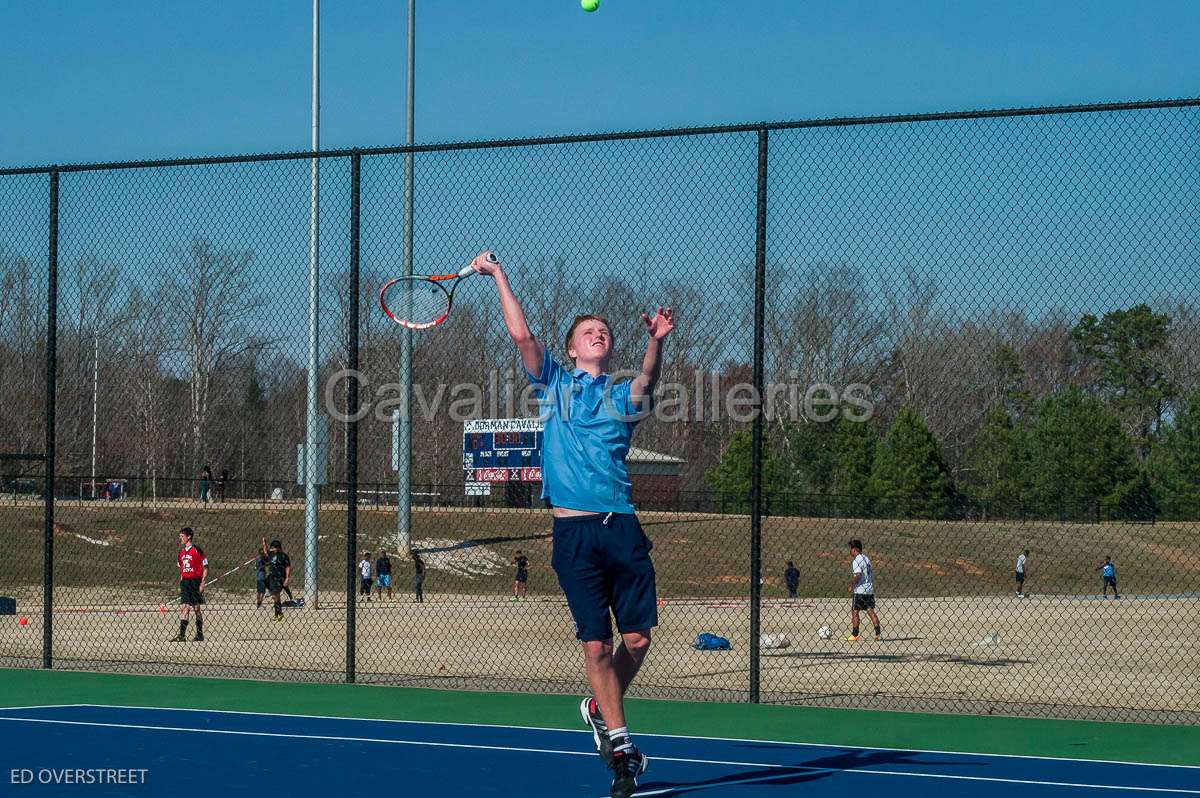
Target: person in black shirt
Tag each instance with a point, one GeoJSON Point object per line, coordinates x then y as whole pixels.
{"type": "Point", "coordinates": [521, 580]}
{"type": "Point", "coordinates": [791, 578]}
{"type": "Point", "coordinates": [279, 573]}
{"type": "Point", "coordinates": [383, 575]}
{"type": "Point", "coordinates": [418, 577]}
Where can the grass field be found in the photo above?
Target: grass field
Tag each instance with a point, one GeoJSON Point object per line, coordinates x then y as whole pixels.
{"type": "Point", "coordinates": [943, 588]}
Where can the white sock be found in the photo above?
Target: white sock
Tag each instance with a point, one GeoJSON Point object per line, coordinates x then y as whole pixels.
{"type": "Point", "coordinates": [620, 739]}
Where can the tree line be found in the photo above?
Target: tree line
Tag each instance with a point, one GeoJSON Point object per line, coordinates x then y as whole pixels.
{"type": "Point", "coordinates": [1118, 439]}
{"type": "Point", "coordinates": [200, 360]}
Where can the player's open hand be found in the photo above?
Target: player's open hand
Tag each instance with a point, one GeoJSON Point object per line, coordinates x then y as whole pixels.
{"type": "Point", "coordinates": [487, 263]}
{"type": "Point", "coordinates": [661, 325]}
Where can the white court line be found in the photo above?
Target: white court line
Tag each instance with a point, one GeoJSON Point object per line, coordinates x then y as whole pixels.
{"type": "Point", "coordinates": [647, 734]}
{"type": "Point", "coordinates": [589, 754]}
{"type": "Point", "coordinates": [46, 706]}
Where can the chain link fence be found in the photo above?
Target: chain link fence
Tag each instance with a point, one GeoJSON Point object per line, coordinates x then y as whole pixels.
{"type": "Point", "coordinates": [957, 338]}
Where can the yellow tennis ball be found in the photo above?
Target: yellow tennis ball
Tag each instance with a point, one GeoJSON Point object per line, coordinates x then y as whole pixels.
{"type": "Point", "coordinates": [589, 5]}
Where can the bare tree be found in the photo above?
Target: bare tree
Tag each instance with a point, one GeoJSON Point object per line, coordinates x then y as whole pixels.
{"type": "Point", "coordinates": [22, 349]}
{"type": "Point", "coordinates": [143, 343]}
{"type": "Point", "coordinates": [215, 304]}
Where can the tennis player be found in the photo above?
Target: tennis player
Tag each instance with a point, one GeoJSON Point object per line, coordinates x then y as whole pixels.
{"type": "Point", "coordinates": [1109, 571]}
{"type": "Point", "coordinates": [279, 573]}
{"type": "Point", "coordinates": [521, 578]}
{"type": "Point", "coordinates": [193, 572]}
{"type": "Point", "coordinates": [601, 555]}
{"type": "Point", "coordinates": [862, 591]}
{"type": "Point", "coordinates": [364, 576]}
{"type": "Point", "coordinates": [1022, 563]}
{"type": "Point", "coordinates": [383, 575]}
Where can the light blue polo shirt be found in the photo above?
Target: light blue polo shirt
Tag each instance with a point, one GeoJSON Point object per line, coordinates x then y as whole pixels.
{"type": "Point", "coordinates": [589, 422]}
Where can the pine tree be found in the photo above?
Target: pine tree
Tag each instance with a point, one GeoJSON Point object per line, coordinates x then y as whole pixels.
{"type": "Point", "coordinates": [1079, 454]}
{"type": "Point", "coordinates": [855, 454]}
{"type": "Point", "coordinates": [909, 477]}
{"type": "Point", "coordinates": [1130, 346]}
{"type": "Point", "coordinates": [1175, 464]}
{"type": "Point", "coordinates": [730, 479]}
{"type": "Point", "coordinates": [811, 449]}
{"type": "Point", "coordinates": [998, 463]}
{"type": "Point", "coordinates": [1132, 501]}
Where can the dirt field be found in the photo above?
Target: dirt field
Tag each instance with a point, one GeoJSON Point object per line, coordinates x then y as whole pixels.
{"type": "Point", "coordinates": [944, 589]}
{"type": "Point", "coordinates": [1051, 651]}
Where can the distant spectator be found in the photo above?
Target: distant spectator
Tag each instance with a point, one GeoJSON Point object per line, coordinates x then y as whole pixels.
{"type": "Point", "coordinates": [791, 577]}
{"type": "Point", "coordinates": [1109, 572]}
{"type": "Point", "coordinates": [521, 579]}
{"type": "Point", "coordinates": [205, 480]}
{"type": "Point", "coordinates": [383, 575]}
{"type": "Point", "coordinates": [221, 480]}
{"type": "Point", "coordinates": [1022, 562]}
{"type": "Point", "coordinates": [418, 578]}
{"type": "Point", "coordinates": [364, 575]}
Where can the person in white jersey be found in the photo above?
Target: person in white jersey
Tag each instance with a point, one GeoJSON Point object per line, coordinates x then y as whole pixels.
{"type": "Point", "coordinates": [862, 591]}
{"type": "Point", "coordinates": [1022, 560]}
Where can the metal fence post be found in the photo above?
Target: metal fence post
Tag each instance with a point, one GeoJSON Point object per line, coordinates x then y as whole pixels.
{"type": "Point", "coordinates": [352, 419]}
{"type": "Point", "coordinates": [51, 384]}
{"type": "Point", "coordinates": [756, 445]}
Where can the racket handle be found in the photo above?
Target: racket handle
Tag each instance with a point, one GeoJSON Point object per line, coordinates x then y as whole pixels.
{"type": "Point", "coordinates": [469, 269]}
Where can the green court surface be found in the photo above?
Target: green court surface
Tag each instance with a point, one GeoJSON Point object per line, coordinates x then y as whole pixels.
{"type": "Point", "coordinates": [1124, 742]}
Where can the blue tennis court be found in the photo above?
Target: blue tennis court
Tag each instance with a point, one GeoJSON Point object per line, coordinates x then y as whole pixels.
{"type": "Point", "coordinates": [243, 753]}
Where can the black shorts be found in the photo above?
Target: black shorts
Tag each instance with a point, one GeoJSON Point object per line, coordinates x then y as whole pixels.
{"type": "Point", "coordinates": [1020, 577]}
{"type": "Point", "coordinates": [605, 568]}
{"type": "Point", "coordinates": [1110, 580]}
{"type": "Point", "coordinates": [864, 601]}
{"type": "Point", "coordinates": [274, 585]}
{"type": "Point", "coordinates": [364, 587]}
{"type": "Point", "coordinates": [189, 592]}
{"type": "Point", "coordinates": [522, 576]}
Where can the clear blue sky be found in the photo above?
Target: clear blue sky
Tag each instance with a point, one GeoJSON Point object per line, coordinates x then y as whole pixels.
{"type": "Point", "coordinates": [86, 80]}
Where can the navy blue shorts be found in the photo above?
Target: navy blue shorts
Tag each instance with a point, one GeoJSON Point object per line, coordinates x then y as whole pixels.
{"type": "Point", "coordinates": [602, 568]}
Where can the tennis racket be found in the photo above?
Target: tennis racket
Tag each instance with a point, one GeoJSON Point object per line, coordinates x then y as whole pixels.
{"type": "Point", "coordinates": [422, 301]}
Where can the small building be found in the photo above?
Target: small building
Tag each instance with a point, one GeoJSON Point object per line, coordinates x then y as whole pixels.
{"type": "Point", "coordinates": [655, 478]}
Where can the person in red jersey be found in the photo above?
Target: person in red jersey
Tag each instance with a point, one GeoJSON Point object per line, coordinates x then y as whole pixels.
{"type": "Point", "coordinates": [193, 573]}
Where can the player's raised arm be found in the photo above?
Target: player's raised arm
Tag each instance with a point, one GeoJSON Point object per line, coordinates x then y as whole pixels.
{"type": "Point", "coordinates": [514, 317]}
{"type": "Point", "coordinates": [658, 328]}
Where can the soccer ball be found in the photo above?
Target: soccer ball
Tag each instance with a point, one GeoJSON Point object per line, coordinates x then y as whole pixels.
{"type": "Point", "coordinates": [825, 633]}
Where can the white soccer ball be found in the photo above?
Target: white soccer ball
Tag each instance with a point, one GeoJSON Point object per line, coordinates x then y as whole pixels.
{"type": "Point", "coordinates": [825, 633]}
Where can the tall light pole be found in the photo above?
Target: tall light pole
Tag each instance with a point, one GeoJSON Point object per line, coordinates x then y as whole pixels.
{"type": "Point", "coordinates": [311, 459]}
{"type": "Point", "coordinates": [404, 417]}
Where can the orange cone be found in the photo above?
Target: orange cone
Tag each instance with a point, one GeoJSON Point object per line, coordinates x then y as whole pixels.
{"type": "Point", "coordinates": [23, 621]}
{"type": "Point", "coordinates": [162, 609]}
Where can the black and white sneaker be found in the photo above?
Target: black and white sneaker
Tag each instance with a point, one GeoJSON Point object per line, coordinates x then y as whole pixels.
{"type": "Point", "coordinates": [590, 711]}
{"type": "Point", "coordinates": [627, 765]}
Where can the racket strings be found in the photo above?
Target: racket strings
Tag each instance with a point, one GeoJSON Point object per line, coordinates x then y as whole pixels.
{"type": "Point", "coordinates": [417, 301]}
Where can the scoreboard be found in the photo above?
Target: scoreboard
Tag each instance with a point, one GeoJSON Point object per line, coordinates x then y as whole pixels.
{"type": "Point", "coordinates": [502, 450]}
